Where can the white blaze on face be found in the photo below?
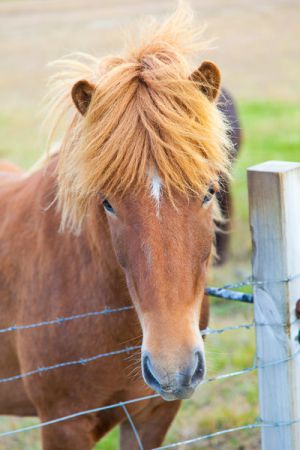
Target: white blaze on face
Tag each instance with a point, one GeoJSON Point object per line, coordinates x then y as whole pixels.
{"type": "Point", "coordinates": [155, 190]}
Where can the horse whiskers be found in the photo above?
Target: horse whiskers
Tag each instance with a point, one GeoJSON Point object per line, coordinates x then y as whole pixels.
{"type": "Point", "coordinates": [133, 371]}
{"type": "Point", "coordinates": [135, 374]}
{"type": "Point", "coordinates": [133, 368]}
{"type": "Point", "coordinates": [132, 358]}
{"type": "Point", "coordinates": [133, 365]}
{"type": "Point", "coordinates": [132, 339]}
{"type": "Point", "coordinates": [132, 355]}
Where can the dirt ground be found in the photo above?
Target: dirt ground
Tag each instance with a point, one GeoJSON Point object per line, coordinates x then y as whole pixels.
{"type": "Point", "coordinates": [257, 43]}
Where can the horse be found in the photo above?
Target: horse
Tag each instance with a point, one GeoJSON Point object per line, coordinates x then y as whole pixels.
{"type": "Point", "coordinates": [227, 106]}
{"type": "Point", "coordinates": [122, 214]}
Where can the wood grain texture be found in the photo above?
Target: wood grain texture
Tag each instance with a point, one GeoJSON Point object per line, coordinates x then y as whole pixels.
{"type": "Point", "coordinates": [274, 198]}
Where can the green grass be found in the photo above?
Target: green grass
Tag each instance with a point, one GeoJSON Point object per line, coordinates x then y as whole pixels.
{"type": "Point", "coordinates": [110, 442]}
{"type": "Point", "coordinates": [271, 131]}
{"type": "Point", "coordinates": [20, 140]}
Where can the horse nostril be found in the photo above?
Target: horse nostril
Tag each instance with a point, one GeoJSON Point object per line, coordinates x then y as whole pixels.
{"type": "Point", "coordinates": [148, 374]}
{"type": "Point", "coordinates": [200, 368]}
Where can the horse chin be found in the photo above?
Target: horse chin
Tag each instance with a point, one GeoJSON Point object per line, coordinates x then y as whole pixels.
{"type": "Point", "coordinates": [183, 394]}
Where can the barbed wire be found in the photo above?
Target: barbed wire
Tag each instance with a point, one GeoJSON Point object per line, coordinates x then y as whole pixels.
{"type": "Point", "coordinates": [78, 414]}
{"type": "Point", "coordinates": [86, 360]}
{"type": "Point", "coordinates": [258, 424]}
{"type": "Point", "coordinates": [61, 320]}
{"type": "Point", "coordinates": [81, 361]}
{"type": "Point", "coordinates": [224, 292]}
{"type": "Point", "coordinates": [138, 399]}
{"type": "Point", "coordinates": [134, 429]}
{"type": "Point", "coordinates": [246, 326]}
{"type": "Point", "coordinates": [251, 281]}
{"type": "Point", "coordinates": [248, 281]}
{"type": "Point", "coordinates": [211, 435]}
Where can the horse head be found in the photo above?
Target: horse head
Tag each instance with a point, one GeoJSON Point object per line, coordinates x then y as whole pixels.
{"type": "Point", "coordinates": [148, 145]}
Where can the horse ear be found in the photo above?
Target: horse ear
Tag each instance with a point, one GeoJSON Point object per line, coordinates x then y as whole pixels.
{"type": "Point", "coordinates": [208, 76]}
{"type": "Point", "coordinates": [82, 92]}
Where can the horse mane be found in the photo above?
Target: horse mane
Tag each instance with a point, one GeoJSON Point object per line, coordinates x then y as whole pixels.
{"type": "Point", "coordinates": [146, 116]}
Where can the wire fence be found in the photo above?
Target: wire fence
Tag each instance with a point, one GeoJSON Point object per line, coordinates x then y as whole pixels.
{"type": "Point", "coordinates": [149, 397]}
{"type": "Point", "coordinates": [225, 292]}
{"type": "Point", "coordinates": [86, 360]}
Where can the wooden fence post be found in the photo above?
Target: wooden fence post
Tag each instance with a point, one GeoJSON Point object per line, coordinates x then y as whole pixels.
{"type": "Point", "coordinates": [274, 199]}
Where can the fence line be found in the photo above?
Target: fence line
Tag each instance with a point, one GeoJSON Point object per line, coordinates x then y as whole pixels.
{"type": "Point", "coordinates": [86, 360]}
{"type": "Point", "coordinates": [211, 435]}
{"type": "Point", "coordinates": [220, 292]}
{"type": "Point", "coordinates": [134, 429]}
{"type": "Point", "coordinates": [83, 361]}
{"type": "Point", "coordinates": [78, 414]}
{"type": "Point", "coordinates": [259, 424]}
{"type": "Point", "coordinates": [127, 402]}
{"type": "Point", "coordinates": [61, 320]}
{"type": "Point", "coordinates": [251, 281]}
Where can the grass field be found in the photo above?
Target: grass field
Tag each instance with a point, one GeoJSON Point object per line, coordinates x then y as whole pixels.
{"type": "Point", "coordinates": [271, 131]}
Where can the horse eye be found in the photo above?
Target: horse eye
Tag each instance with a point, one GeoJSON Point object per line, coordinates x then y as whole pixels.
{"type": "Point", "coordinates": [107, 206]}
{"type": "Point", "coordinates": [209, 195]}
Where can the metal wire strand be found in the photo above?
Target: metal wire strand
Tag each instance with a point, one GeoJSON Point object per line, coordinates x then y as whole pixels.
{"type": "Point", "coordinates": [224, 292]}
{"type": "Point", "coordinates": [61, 320]}
{"type": "Point", "coordinates": [120, 404]}
{"type": "Point", "coordinates": [251, 281]}
{"type": "Point", "coordinates": [250, 426]}
{"type": "Point", "coordinates": [134, 429]}
{"type": "Point", "coordinates": [75, 415]}
{"type": "Point", "coordinates": [209, 436]}
{"type": "Point", "coordinates": [83, 361]}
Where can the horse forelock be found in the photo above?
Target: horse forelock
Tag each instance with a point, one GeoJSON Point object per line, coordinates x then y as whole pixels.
{"type": "Point", "coordinates": [146, 117]}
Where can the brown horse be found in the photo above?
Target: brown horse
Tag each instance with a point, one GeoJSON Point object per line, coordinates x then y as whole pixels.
{"type": "Point", "coordinates": [122, 214]}
{"type": "Point", "coordinates": [227, 107]}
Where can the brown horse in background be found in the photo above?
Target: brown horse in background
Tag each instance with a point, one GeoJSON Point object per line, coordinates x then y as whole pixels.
{"type": "Point", "coordinates": [122, 214]}
{"type": "Point", "coordinates": [227, 107]}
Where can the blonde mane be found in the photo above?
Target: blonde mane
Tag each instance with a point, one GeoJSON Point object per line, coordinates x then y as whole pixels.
{"type": "Point", "coordinates": [146, 115]}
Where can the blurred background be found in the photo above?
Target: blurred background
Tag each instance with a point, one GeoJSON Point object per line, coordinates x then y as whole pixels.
{"type": "Point", "coordinates": [257, 46]}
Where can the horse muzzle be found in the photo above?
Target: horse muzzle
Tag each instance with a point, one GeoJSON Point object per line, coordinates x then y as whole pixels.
{"type": "Point", "coordinates": [174, 384]}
